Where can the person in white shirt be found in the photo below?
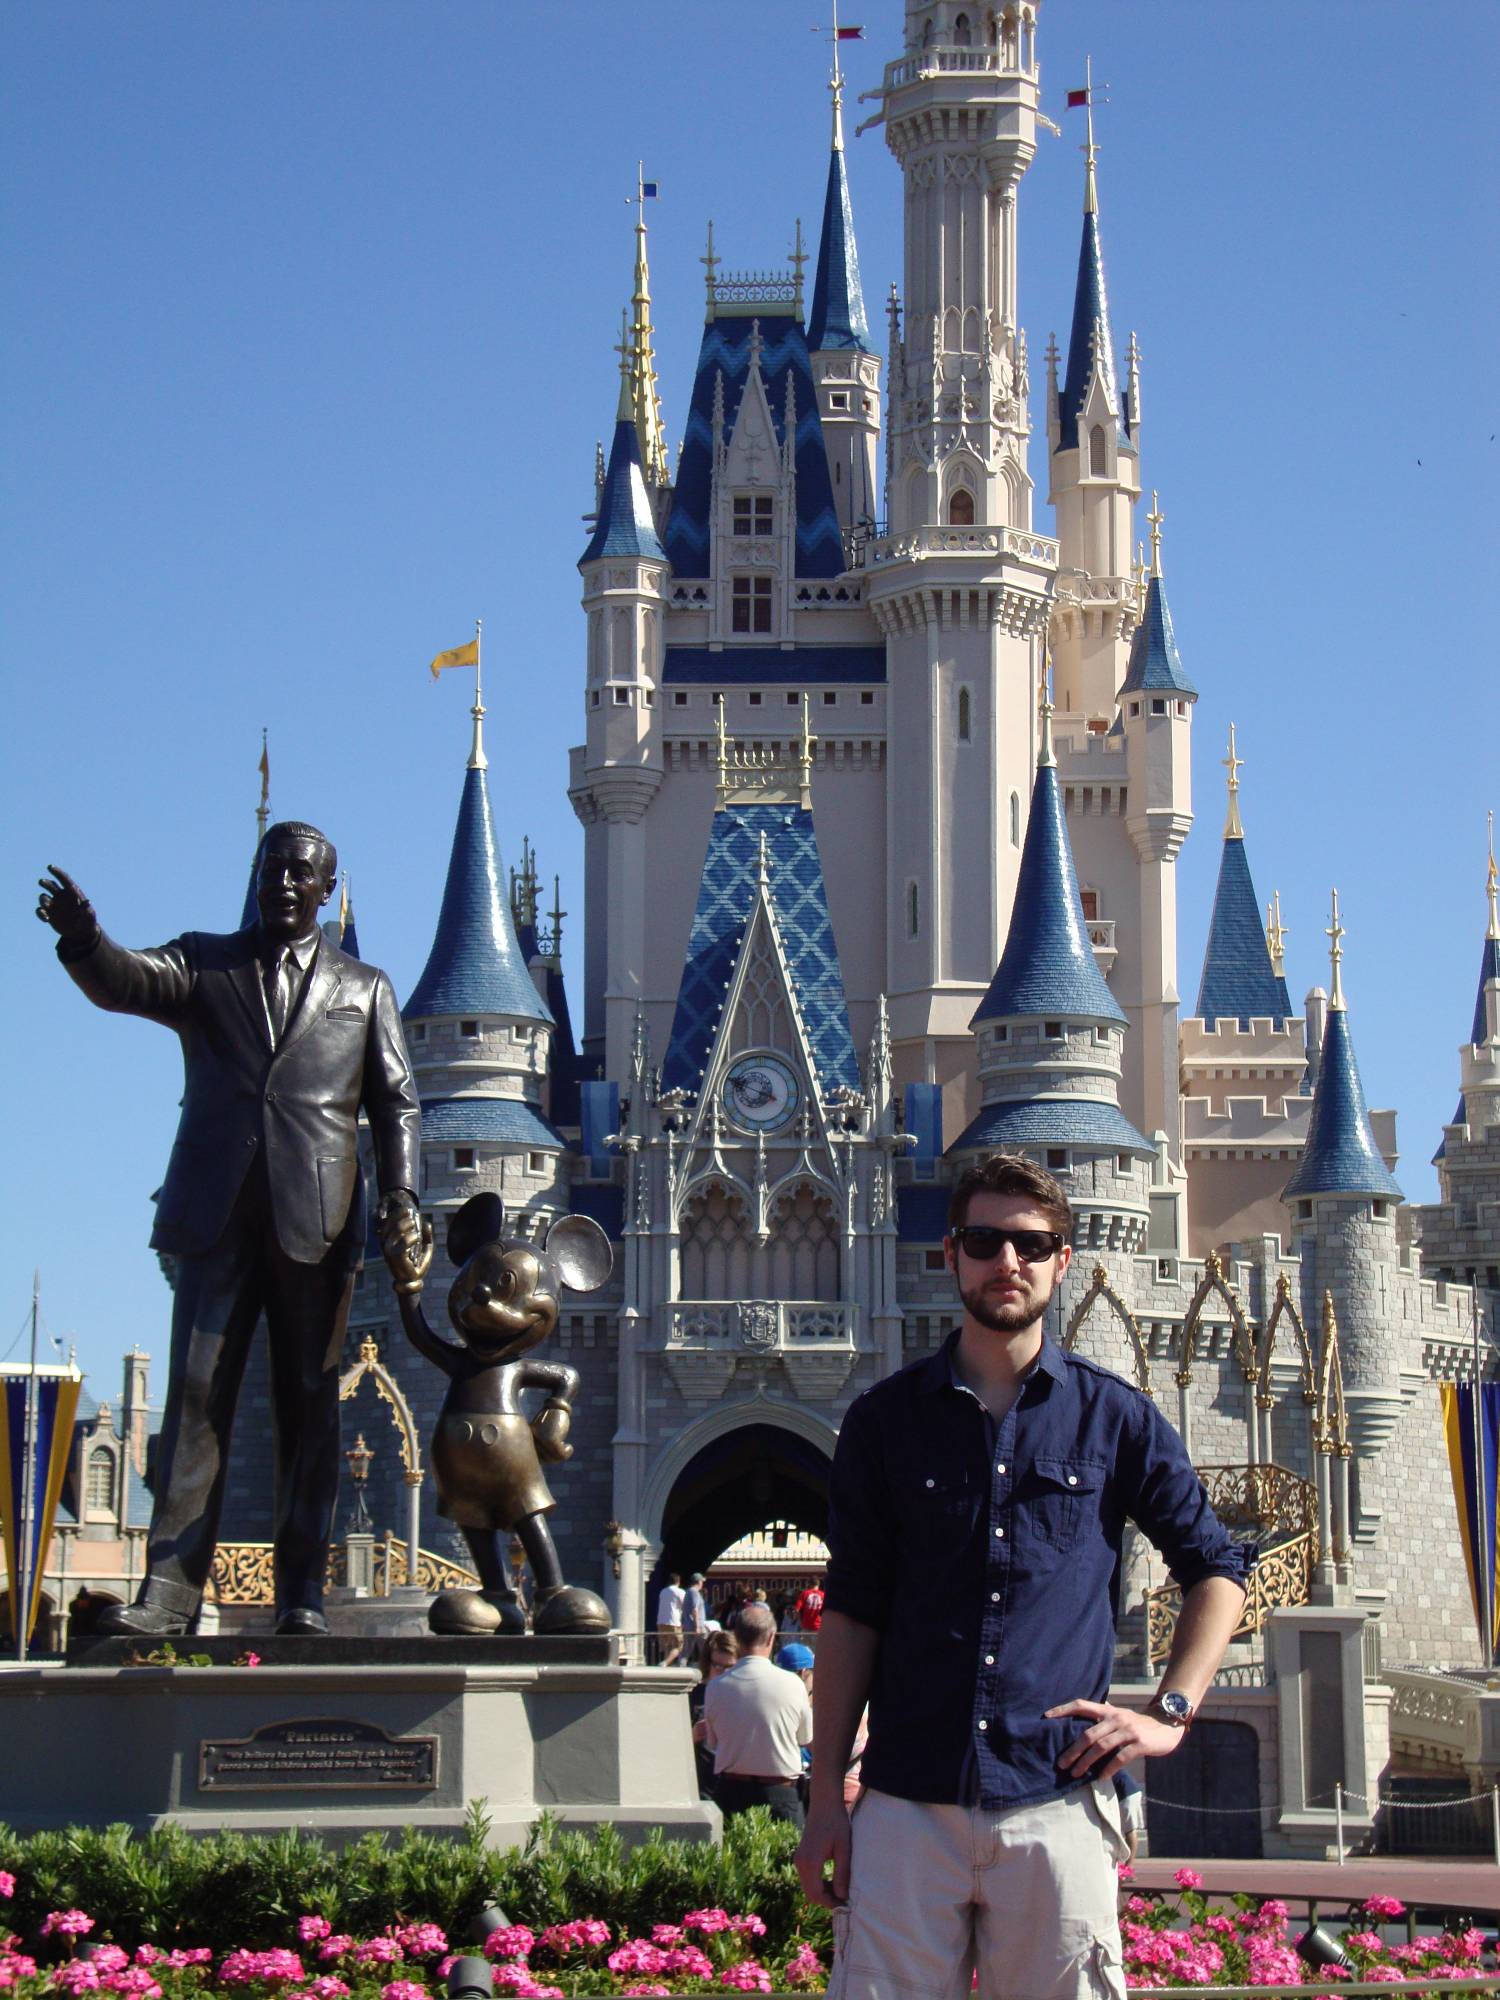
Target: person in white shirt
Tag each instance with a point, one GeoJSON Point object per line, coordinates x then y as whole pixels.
{"type": "Point", "coordinates": [756, 1720]}
{"type": "Point", "coordinates": [669, 1621]}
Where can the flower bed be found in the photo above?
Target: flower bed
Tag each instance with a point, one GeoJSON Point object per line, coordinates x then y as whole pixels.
{"type": "Point", "coordinates": [152, 1918]}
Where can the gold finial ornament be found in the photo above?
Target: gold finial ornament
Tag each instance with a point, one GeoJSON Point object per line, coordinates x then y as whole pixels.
{"type": "Point", "coordinates": [1233, 830]}
{"type": "Point", "coordinates": [1155, 517]}
{"type": "Point", "coordinates": [1492, 887]}
{"type": "Point", "coordinates": [645, 403]}
{"type": "Point", "coordinates": [1276, 935]}
{"type": "Point", "coordinates": [1335, 933]}
{"type": "Point", "coordinates": [1090, 150]}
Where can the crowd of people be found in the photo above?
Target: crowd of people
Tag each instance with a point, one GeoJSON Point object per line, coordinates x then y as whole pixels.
{"type": "Point", "coordinates": [687, 1614]}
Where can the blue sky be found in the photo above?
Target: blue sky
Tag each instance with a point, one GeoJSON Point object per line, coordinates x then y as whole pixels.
{"type": "Point", "coordinates": [309, 339]}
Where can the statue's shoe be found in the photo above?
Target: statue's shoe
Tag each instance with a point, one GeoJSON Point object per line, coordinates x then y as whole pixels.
{"type": "Point", "coordinates": [464, 1611]}
{"type": "Point", "coordinates": [512, 1612]}
{"type": "Point", "coordinates": [301, 1623]}
{"type": "Point", "coordinates": [142, 1620]}
{"type": "Point", "coordinates": [571, 1610]}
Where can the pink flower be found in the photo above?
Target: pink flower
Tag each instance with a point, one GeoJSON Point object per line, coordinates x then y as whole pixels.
{"type": "Point", "coordinates": [1383, 1906]}
{"type": "Point", "coordinates": [78, 1975]}
{"type": "Point", "coordinates": [583, 1934]}
{"type": "Point", "coordinates": [7, 1883]}
{"type": "Point", "coordinates": [421, 1940]}
{"type": "Point", "coordinates": [335, 1946]}
{"type": "Point", "coordinates": [275, 1968]}
{"type": "Point", "coordinates": [636, 1956]}
{"type": "Point", "coordinates": [198, 1954]}
{"type": "Point", "coordinates": [311, 1928]}
{"type": "Point", "coordinates": [804, 1966]}
{"type": "Point", "coordinates": [1125, 1872]}
{"type": "Point", "coordinates": [667, 1934]}
{"type": "Point", "coordinates": [510, 1941]}
{"type": "Point", "coordinates": [707, 1921]}
{"type": "Point", "coordinates": [403, 1989]}
{"type": "Point", "coordinates": [1383, 1972]}
{"type": "Point", "coordinates": [110, 1957]}
{"type": "Point", "coordinates": [749, 1976]}
{"type": "Point", "coordinates": [134, 1980]}
{"type": "Point", "coordinates": [378, 1951]}
{"type": "Point", "coordinates": [1363, 1941]}
{"type": "Point", "coordinates": [16, 1967]}
{"type": "Point", "coordinates": [324, 1987]}
{"type": "Point", "coordinates": [1188, 1878]}
{"type": "Point", "coordinates": [748, 1926]}
{"type": "Point", "coordinates": [248, 1660]}
{"type": "Point", "coordinates": [67, 1923]}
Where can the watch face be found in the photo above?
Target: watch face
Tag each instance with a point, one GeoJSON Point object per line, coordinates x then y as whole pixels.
{"type": "Point", "coordinates": [1175, 1707]}
{"type": "Point", "coordinates": [761, 1093]}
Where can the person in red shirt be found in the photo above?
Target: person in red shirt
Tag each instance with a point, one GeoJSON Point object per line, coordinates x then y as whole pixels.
{"type": "Point", "coordinates": [809, 1608]}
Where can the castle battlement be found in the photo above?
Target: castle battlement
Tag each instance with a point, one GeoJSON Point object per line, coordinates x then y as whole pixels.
{"type": "Point", "coordinates": [1249, 1123]}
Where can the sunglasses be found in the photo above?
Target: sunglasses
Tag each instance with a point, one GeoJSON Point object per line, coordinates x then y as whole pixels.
{"type": "Point", "coordinates": [1032, 1246]}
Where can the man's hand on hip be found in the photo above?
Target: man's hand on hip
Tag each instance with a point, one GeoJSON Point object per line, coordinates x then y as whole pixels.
{"type": "Point", "coordinates": [826, 1839]}
{"type": "Point", "coordinates": [1115, 1737]}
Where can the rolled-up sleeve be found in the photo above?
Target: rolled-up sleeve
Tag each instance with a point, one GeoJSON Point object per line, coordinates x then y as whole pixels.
{"type": "Point", "coordinates": [1169, 1504]}
{"type": "Point", "coordinates": [862, 1526]}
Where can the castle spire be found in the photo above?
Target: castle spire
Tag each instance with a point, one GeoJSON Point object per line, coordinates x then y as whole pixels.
{"type": "Point", "coordinates": [1241, 978]}
{"type": "Point", "coordinates": [1233, 765]}
{"type": "Point", "coordinates": [838, 302]}
{"type": "Point", "coordinates": [1091, 347]}
{"type": "Point", "coordinates": [1341, 1156]}
{"type": "Point", "coordinates": [1489, 965]}
{"type": "Point", "coordinates": [1155, 665]}
{"type": "Point", "coordinates": [475, 966]}
{"type": "Point", "coordinates": [645, 402]}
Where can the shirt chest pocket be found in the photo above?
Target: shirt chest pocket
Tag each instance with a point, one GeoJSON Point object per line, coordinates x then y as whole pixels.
{"type": "Point", "coordinates": [1060, 1502]}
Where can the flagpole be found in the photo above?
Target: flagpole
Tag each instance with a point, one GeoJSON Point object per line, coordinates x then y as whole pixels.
{"type": "Point", "coordinates": [22, 1613]}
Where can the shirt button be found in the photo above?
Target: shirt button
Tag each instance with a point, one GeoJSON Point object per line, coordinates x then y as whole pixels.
{"type": "Point", "coordinates": [989, 1659]}
{"type": "Point", "coordinates": [932, 1482]}
{"type": "Point", "coordinates": [984, 1725]}
{"type": "Point", "coordinates": [1072, 1478]}
{"type": "Point", "coordinates": [999, 1468]}
{"type": "Point", "coordinates": [999, 1534]}
{"type": "Point", "coordinates": [994, 1597]}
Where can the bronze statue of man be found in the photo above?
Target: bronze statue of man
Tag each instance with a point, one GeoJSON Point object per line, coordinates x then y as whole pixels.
{"type": "Point", "coordinates": [284, 1041]}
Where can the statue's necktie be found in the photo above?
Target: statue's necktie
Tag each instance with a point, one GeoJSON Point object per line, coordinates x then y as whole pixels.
{"type": "Point", "coordinates": [278, 975]}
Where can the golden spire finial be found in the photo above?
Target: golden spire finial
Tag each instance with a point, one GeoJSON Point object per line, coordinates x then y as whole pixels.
{"type": "Point", "coordinates": [1492, 887]}
{"type": "Point", "coordinates": [836, 86]}
{"type": "Point", "coordinates": [1045, 753]}
{"type": "Point", "coordinates": [1233, 765]}
{"type": "Point", "coordinates": [1276, 935]}
{"type": "Point", "coordinates": [1155, 517]}
{"type": "Point", "coordinates": [645, 402]}
{"type": "Point", "coordinates": [1335, 934]}
{"type": "Point", "coordinates": [1090, 150]}
{"type": "Point", "coordinates": [344, 904]}
{"type": "Point", "coordinates": [625, 407]}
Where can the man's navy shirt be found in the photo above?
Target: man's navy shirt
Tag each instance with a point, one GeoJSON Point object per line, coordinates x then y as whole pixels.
{"type": "Point", "coordinates": [988, 1558]}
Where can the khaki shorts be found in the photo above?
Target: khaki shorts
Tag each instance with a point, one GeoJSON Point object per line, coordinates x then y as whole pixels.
{"type": "Point", "coordinates": [1025, 1896]}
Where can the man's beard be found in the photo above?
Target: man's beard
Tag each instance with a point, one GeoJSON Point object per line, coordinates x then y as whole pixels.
{"type": "Point", "coordinates": [1013, 1316]}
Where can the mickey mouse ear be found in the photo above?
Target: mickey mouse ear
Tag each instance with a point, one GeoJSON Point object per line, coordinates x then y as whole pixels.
{"type": "Point", "coordinates": [580, 1252]}
{"type": "Point", "coordinates": [481, 1220]}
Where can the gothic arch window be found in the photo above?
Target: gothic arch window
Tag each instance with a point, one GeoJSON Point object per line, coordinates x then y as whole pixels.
{"type": "Point", "coordinates": [913, 910]}
{"type": "Point", "coordinates": [927, 33]}
{"type": "Point", "coordinates": [1098, 465]}
{"type": "Point", "coordinates": [762, 1021]}
{"type": "Point", "coordinates": [716, 1246]}
{"type": "Point", "coordinates": [962, 33]}
{"type": "Point", "coordinates": [1015, 819]}
{"type": "Point", "coordinates": [99, 1495]}
{"type": "Point", "coordinates": [961, 508]}
{"type": "Point", "coordinates": [965, 716]}
{"type": "Point", "coordinates": [804, 1247]}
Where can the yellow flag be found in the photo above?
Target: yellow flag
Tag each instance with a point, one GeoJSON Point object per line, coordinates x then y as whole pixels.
{"type": "Point", "coordinates": [459, 656]}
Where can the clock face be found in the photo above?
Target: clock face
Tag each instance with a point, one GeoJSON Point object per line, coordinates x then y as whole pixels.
{"type": "Point", "coordinates": [761, 1093]}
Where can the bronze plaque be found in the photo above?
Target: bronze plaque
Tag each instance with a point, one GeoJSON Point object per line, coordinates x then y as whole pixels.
{"type": "Point", "coordinates": [322, 1753]}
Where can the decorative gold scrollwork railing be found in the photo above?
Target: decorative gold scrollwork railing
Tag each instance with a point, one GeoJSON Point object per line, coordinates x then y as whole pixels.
{"type": "Point", "coordinates": [243, 1571]}
{"type": "Point", "coordinates": [1274, 1501]}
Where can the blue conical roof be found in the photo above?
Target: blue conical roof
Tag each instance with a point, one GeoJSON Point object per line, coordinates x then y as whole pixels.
{"type": "Point", "coordinates": [1090, 330]}
{"type": "Point", "coordinates": [1155, 665]}
{"type": "Point", "coordinates": [838, 303]}
{"type": "Point", "coordinates": [1489, 968]}
{"type": "Point", "coordinates": [1048, 966]}
{"type": "Point", "coordinates": [475, 965]}
{"type": "Point", "coordinates": [1238, 981]}
{"type": "Point", "coordinates": [1341, 1156]}
{"type": "Point", "coordinates": [625, 525]}
{"type": "Point", "coordinates": [349, 939]}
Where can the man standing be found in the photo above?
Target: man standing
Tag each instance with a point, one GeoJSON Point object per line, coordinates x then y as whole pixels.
{"type": "Point", "coordinates": [990, 1483]}
{"type": "Point", "coordinates": [756, 1720]}
{"type": "Point", "coordinates": [694, 1619]}
{"type": "Point", "coordinates": [284, 1041]}
{"type": "Point", "coordinates": [669, 1602]}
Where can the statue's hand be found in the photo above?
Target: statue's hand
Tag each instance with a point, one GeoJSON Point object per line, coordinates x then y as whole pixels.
{"type": "Point", "coordinates": [550, 1428]}
{"type": "Point", "coordinates": [63, 905]}
{"type": "Point", "coordinates": [405, 1241]}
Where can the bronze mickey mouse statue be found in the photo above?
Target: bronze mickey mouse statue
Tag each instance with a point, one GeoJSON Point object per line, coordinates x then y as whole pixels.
{"type": "Point", "coordinates": [486, 1452]}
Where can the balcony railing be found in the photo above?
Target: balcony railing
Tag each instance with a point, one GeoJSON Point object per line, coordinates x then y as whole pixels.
{"type": "Point", "coordinates": [1282, 1505]}
{"type": "Point", "coordinates": [760, 1326]}
{"type": "Point", "coordinates": [938, 540]}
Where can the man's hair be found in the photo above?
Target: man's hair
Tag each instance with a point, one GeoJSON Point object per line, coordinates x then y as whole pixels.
{"type": "Point", "coordinates": [753, 1625]}
{"type": "Point", "coordinates": [696, 1578]}
{"type": "Point", "coordinates": [1010, 1174]}
{"type": "Point", "coordinates": [720, 1645]}
{"type": "Point", "coordinates": [298, 829]}
{"type": "Point", "coordinates": [674, 1576]}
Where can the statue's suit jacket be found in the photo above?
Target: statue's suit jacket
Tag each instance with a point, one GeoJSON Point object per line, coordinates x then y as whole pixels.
{"type": "Point", "coordinates": [297, 1102]}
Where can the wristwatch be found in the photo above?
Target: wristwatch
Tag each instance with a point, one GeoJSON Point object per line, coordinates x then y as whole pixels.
{"type": "Point", "coordinates": [1174, 1708]}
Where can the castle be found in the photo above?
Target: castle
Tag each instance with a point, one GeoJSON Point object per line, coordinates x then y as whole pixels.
{"type": "Point", "coordinates": [883, 787]}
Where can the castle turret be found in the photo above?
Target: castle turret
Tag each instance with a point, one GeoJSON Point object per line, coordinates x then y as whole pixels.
{"type": "Point", "coordinates": [1050, 1038]}
{"type": "Point", "coordinates": [1094, 460]}
{"type": "Point", "coordinates": [845, 370]}
{"type": "Point", "coordinates": [1156, 705]}
{"type": "Point", "coordinates": [1240, 982]}
{"type": "Point", "coordinates": [618, 770]}
{"type": "Point", "coordinates": [1343, 1196]}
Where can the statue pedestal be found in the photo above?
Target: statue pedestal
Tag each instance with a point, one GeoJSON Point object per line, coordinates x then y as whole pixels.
{"type": "Point", "coordinates": [344, 1737]}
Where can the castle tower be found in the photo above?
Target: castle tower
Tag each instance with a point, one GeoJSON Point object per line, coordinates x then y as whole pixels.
{"type": "Point", "coordinates": [846, 372]}
{"type": "Point", "coordinates": [618, 770]}
{"type": "Point", "coordinates": [1240, 980]}
{"type": "Point", "coordinates": [961, 588]}
{"type": "Point", "coordinates": [1460, 1234]}
{"type": "Point", "coordinates": [1093, 434]}
{"type": "Point", "coordinates": [1050, 1043]}
{"type": "Point", "coordinates": [1156, 706]}
{"type": "Point", "coordinates": [1343, 1199]}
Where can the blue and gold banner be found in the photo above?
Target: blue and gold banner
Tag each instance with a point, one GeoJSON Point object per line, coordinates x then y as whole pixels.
{"type": "Point", "coordinates": [47, 1465]}
{"type": "Point", "coordinates": [1474, 1461]}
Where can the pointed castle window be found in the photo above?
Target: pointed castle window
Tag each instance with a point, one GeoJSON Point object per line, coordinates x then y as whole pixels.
{"type": "Point", "coordinates": [1015, 819]}
{"type": "Point", "coordinates": [961, 508]}
{"type": "Point", "coordinates": [1098, 465]}
{"type": "Point", "coordinates": [964, 715]}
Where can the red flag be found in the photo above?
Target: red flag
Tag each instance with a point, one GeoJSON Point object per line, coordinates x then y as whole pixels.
{"type": "Point", "coordinates": [849, 34]}
{"type": "Point", "coordinates": [1077, 97]}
